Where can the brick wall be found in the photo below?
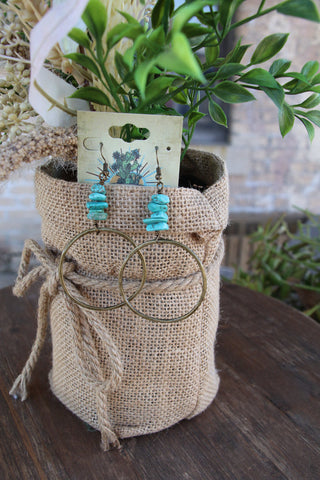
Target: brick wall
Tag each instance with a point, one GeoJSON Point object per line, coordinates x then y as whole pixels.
{"type": "Point", "coordinates": [19, 220]}
{"type": "Point", "coordinates": [268, 173]}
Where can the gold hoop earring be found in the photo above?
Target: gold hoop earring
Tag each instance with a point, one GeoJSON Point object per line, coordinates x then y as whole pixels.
{"type": "Point", "coordinates": [156, 223]}
{"type": "Point", "coordinates": [97, 206]}
{"type": "Point", "coordinates": [171, 242]}
{"type": "Point", "coordinates": [95, 231]}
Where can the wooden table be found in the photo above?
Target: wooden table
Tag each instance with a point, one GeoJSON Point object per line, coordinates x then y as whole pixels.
{"type": "Point", "coordinates": [264, 423]}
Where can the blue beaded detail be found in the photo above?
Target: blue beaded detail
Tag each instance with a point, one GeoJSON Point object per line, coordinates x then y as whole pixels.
{"type": "Point", "coordinates": [97, 215]}
{"type": "Point", "coordinates": [156, 227]}
{"type": "Point", "coordinates": [160, 198]}
{"type": "Point", "coordinates": [100, 197]}
{"type": "Point", "coordinates": [97, 204]}
{"type": "Point", "coordinates": [159, 219]}
{"type": "Point", "coordinates": [98, 188]}
{"type": "Point", "coordinates": [155, 207]}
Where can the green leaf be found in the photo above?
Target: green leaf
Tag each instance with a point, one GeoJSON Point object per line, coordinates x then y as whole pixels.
{"type": "Point", "coordinates": [186, 12]}
{"type": "Point", "coordinates": [180, 58]}
{"type": "Point", "coordinates": [217, 114]}
{"type": "Point", "coordinates": [85, 61]}
{"type": "Point", "coordinates": [275, 94]}
{"type": "Point", "coordinates": [141, 75]}
{"type": "Point", "coordinates": [79, 37]}
{"type": "Point", "coordinates": [310, 69]}
{"type": "Point", "coordinates": [121, 31]}
{"type": "Point", "coordinates": [157, 37]}
{"type": "Point", "coordinates": [180, 98]}
{"type": "Point", "coordinates": [310, 102]}
{"type": "Point", "coordinates": [309, 127]}
{"type": "Point", "coordinates": [268, 47]}
{"type": "Point", "coordinates": [203, 41]}
{"type": "Point", "coordinates": [211, 54]}
{"type": "Point", "coordinates": [300, 8]}
{"type": "Point", "coordinates": [227, 10]}
{"type": "Point", "coordinates": [157, 87]}
{"type": "Point", "coordinates": [129, 54]}
{"type": "Point", "coordinates": [259, 76]}
{"type": "Point", "coordinates": [129, 18]}
{"type": "Point", "coordinates": [116, 85]}
{"type": "Point", "coordinates": [236, 55]}
{"type": "Point", "coordinates": [231, 92]}
{"type": "Point", "coordinates": [95, 17]}
{"type": "Point", "coordinates": [316, 79]}
{"type": "Point", "coordinates": [195, 30]}
{"type": "Point", "coordinates": [121, 65]}
{"type": "Point", "coordinates": [313, 116]}
{"type": "Point", "coordinates": [279, 67]}
{"type": "Point", "coordinates": [286, 118]}
{"type": "Point", "coordinates": [297, 76]}
{"type": "Point", "coordinates": [161, 13]}
{"type": "Point", "coordinates": [194, 117]}
{"type": "Point", "coordinates": [228, 70]}
{"type": "Point", "coordinates": [91, 94]}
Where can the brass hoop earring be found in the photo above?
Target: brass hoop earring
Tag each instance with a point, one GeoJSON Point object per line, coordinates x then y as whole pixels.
{"type": "Point", "coordinates": [171, 242]}
{"type": "Point", "coordinates": [65, 251]}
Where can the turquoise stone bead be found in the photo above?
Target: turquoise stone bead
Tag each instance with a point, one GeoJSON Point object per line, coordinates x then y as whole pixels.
{"type": "Point", "coordinates": [150, 221]}
{"type": "Point", "coordinates": [160, 217]}
{"type": "Point", "coordinates": [97, 215]}
{"type": "Point", "coordinates": [160, 198]}
{"type": "Point", "coordinates": [98, 197]}
{"type": "Point", "coordinates": [97, 205]}
{"type": "Point", "coordinates": [97, 188]}
{"type": "Point", "coordinates": [156, 207]}
{"type": "Point", "coordinates": [155, 227]}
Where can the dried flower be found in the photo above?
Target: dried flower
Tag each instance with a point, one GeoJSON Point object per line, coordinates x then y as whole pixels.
{"type": "Point", "coordinates": [43, 142]}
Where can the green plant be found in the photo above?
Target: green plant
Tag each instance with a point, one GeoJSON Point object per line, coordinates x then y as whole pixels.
{"type": "Point", "coordinates": [286, 265]}
{"type": "Point", "coordinates": [177, 57]}
{"type": "Point", "coordinates": [126, 167]}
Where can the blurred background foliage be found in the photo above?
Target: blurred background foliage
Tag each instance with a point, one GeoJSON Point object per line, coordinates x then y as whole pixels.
{"type": "Point", "coordinates": [286, 265]}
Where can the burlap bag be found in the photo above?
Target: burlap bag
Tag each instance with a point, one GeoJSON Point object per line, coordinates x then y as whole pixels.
{"type": "Point", "coordinates": [118, 372]}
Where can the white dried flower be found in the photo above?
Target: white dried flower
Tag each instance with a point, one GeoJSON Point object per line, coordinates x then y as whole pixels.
{"type": "Point", "coordinates": [16, 114]}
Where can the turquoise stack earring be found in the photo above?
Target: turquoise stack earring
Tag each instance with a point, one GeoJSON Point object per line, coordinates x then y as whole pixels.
{"type": "Point", "coordinates": [97, 204]}
{"type": "Point", "coordinates": [98, 199]}
{"type": "Point", "coordinates": [159, 218]}
{"type": "Point", "coordinates": [158, 205]}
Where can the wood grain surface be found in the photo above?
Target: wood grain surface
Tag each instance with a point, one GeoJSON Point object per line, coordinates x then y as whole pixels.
{"type": "Point", "coordinates": [263, 425]}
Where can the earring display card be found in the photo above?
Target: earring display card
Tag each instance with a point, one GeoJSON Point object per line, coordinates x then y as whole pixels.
{"type": "Point", "coordinates": [127, 141]}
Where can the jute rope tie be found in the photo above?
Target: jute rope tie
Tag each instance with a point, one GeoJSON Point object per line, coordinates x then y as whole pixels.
{"type": "Point", "coordinates": [83, 324]}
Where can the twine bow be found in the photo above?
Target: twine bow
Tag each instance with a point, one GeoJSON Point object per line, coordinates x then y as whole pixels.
{"type": "Point", "coordinates": [84, 323]}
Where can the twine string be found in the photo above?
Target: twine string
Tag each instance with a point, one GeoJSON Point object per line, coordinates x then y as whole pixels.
{"type": "Point", "coordinates": [82, 321]}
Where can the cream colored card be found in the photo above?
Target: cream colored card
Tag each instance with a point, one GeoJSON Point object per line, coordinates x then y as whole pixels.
{"type": "Point", "coordinates": [134, 162]}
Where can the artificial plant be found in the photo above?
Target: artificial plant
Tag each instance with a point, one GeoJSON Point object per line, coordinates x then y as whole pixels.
{"type": "Point", "coordinates": [286, 265]}
{"type": "Point", "coordinates": [176, 57]}
{"type": "Point", "coordinates": [131, 62]}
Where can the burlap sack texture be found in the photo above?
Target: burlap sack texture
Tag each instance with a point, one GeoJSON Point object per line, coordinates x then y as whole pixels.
{"type": "Point", "coordinates": [167, 370]}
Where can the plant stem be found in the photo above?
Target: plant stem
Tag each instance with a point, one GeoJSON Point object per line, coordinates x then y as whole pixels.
{"type": "Point", "coordinates": [106, 76]}
{"type": "Point", "coordinates": [261, 5]}
{"type": "Point", "coordinates": [215, 26]}
{"type": "Point", "coordinates": [59, 105]}
{"type": "Point", "coordinates": [187, 141]}
{"type": "Point", "coordinates": [256, 15]}
{"type": "Point", "coordinates": [15, 59]}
